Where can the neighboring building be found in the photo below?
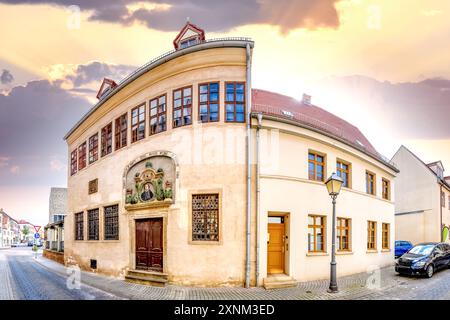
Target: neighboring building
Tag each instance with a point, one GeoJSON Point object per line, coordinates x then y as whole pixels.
{"type": "Point", "coordinates": [27, 231]}
{"type": "Point", "coordinates": [10, 230]}
{"type": "Point", "coordinates": [1, 229]}
{"type": "Point", "coordinates": [158, 177]}
{"type": "Point", "coordinates": [54, 230]}
{"type": "Point", "coordinates": [422, 208]}
{"type": "Point", "coordinates": [57, 204]}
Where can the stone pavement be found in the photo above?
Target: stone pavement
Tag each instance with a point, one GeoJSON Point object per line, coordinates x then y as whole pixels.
{"type": "Point", "coordinates": [21, 278]}
{"type": "Point", "coordinates": [382, 284]}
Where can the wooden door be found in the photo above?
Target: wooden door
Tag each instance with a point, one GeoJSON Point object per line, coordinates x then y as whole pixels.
{"type": "Point", "coordinates": [275, 247]}
{"type": "Point", "coordinates": [149, 244]}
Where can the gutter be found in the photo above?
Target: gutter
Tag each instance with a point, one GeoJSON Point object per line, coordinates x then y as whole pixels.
{"type": "Point", "coordinates": [249, 168]}
{"type": "Point", "coordinates": [209, 44]}
{"type": "Point", "coordinates": [301, 125]}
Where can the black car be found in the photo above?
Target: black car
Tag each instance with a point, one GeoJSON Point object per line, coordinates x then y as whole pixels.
{"type": "Point", "coordinates": [424, 259]}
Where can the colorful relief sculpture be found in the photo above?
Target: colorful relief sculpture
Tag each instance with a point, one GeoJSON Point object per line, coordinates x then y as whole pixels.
{"type": "Point", "coordinates": [149, 186]}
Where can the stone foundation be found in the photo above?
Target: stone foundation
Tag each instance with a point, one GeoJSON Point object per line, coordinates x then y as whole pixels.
{"type": "Point", "coordinates": [53, 255]}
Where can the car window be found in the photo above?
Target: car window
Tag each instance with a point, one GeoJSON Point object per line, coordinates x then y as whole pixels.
{"type": "Point", "coordinates": [439, 249]}
{"type": "Point", "coordinates": [422, 249]}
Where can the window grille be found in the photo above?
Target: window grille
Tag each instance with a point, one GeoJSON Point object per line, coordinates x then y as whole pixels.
{"type": "Point", "coordinates": [205, 217]}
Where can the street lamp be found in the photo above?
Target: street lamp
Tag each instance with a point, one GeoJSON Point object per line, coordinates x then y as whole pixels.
{"type": "Point", "coordinates": [334, 184]}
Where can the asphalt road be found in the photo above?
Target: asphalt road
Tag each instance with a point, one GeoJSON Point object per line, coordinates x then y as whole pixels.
{"type": "Point", "coordinates": [21, 278]}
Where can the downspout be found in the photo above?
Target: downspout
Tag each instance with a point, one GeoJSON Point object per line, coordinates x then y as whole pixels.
{"type": "Point", "coordinates": [249, 168]}
{"type": "Point", "coordinates": [440, 205]}
{"type": "Point", "coordinates": [260, 117]}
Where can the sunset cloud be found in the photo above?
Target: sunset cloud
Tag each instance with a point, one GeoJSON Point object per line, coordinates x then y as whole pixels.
{"type": "Point", "coordinates": [215, 15]}
{"type": "Point", "coordinates": [408, 110]}
{"type": "Point", "coordinates": [6, 77]}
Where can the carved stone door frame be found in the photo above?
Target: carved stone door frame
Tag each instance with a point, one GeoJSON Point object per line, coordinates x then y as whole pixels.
{"type": "Point", "coordinates": [132, 232]}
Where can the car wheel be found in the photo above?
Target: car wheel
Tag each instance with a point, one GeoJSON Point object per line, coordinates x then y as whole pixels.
{"type": "Point", "coordinates": [429, 271]}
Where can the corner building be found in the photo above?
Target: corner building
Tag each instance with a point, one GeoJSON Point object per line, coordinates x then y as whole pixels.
{"type": "Point", "coordinates": [164, 185]}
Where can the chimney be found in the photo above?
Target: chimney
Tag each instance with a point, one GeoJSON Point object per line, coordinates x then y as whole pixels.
{"type": "Point", "coordinates": [306, 99]}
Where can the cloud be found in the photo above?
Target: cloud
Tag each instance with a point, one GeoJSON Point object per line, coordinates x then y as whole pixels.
{"type": "Point", "coordinates": [96, 71]}
{"type": "Point", "coordinates": [6, 77]}
{"type": "Point", "coordinates": [409, 110]}
{"type": "Point", "coordinates": [35, 117]}
{"type": "Point", "coordinates": [14, 169]}
{"type": "Point", "coordinates": [431, 13]}
{"type": "Point", "coordinates": [33, 120]}
{"type": "Point", "coordinates": [213, 15]}
{"type": "Point", "coordinates": [3, 161]}
{"type": "Point", "coordinates": [57, 165]}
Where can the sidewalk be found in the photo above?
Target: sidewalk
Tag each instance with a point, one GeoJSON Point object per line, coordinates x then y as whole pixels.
{"type": "Point", "coordinates": [351, 287]}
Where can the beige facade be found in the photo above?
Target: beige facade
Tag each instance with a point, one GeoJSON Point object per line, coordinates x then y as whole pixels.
{"type": "Point", "coordinates": [421, 211]}
{"type": "Point", "coordinates": [210, 159]}
{"type": "Point", "coordinates": [286, 189]}
{"type": "Point", "coordinates": [215, 162]}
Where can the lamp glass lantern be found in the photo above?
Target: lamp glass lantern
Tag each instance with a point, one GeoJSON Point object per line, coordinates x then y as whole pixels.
{"type": "Point", "coordinates": [334, 184]}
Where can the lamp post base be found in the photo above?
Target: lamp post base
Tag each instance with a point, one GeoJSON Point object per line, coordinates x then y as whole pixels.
{"type": "Point", "coordinates": [332, 290]}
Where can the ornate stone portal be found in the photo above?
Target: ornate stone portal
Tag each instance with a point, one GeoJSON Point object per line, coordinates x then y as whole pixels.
{"type": "Point", "coordinates": [149, 183]}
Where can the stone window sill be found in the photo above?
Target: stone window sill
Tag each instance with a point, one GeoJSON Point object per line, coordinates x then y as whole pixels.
{"type": "Point", "coordinates": [372, 251]}
{"type": "Point", "coordinates": [343, 253]}
{"type": "Point", "coordinates": [386, 250]}
{"type": "Point", "coordinates": [316, 254]}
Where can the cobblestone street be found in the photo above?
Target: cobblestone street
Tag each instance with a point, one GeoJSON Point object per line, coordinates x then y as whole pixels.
{"type": "Point", "coordinates": [24, 277]}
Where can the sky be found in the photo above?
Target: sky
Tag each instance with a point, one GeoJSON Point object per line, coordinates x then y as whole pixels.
{"type": "Point", "coordinates": [382, 65]}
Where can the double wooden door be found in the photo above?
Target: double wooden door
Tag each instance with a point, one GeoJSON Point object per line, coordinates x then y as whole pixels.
{"type": "Point", "coordinates": [149, 244]}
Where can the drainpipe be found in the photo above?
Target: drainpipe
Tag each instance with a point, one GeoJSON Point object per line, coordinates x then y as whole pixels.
{"type": "Point", "coordinates": [249, 168]}
{"type": "Point", "coordinates": [440, 205]}
{"type": "Point", "coordinates": [260, 117]}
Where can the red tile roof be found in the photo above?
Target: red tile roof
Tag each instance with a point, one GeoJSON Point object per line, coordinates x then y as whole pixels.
{"type": "Point", "coordinates": [282, 106]}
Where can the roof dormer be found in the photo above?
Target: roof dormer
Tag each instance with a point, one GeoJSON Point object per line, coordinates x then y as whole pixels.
{"type": "Point", "coordinates": [438, 168]}
{"type": "Point", "coordinates": [190, 35]}
{"type": "Point", "coordinates": [107, 86]}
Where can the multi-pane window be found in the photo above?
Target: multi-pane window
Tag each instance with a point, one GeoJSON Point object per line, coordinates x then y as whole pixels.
{"type": "Point", "coordinates": [79, 226]}
{"type": "Point", "coordinates": [158, 118]}
{"type": "Point", "coordinates": [93, 148]}
{"type": "Point", "coordinates": [370, 183]}
{"type": "Point", "coordinates": [182, 107]}
{"type": "Point", "coordinates": [120, 133]}
{"type": "Point", "coordinates": [106, 139]}
{"type": "Point", "coordinates": [73, 162]}
{"type": "Point", "coordinates": [208, 95]}
{"type": "Point", "coordinates": [442, 199]}
{"type": "Point", "coordinates": [112, 222]}
{"type": "Point", "coordinates": [316, 233]}
{"type": "Point", "coordinates": [82, 156]}
{"type": "Point", "coordinates": [385, 236]}
{"type": "Point", "coordinates": [205, 217]}
{"type": "Point", "coordinates": [93, 222]}
{"type": "Point", "coordinates": [448, 202]}
{"type": "Point", "coordinates": [371, 235]}
{"type": "Point", "coordinates": [316, 166]}
{"type": "Point", "coordinates": [138, 123]}
{"type": "Point", "coordinates": [386, 188]}
{"type": "Point", "coordinates": [343, 171]}
{"type": "Point", "coordinates": [235, 102]}
{"type": "Point", "coordinates": [343, 234]}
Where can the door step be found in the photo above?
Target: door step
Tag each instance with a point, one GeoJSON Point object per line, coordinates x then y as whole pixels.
{"type": "Point", "coordinates": [279, 282]}
{"type": "Point", "coordinates": [152, 278]}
